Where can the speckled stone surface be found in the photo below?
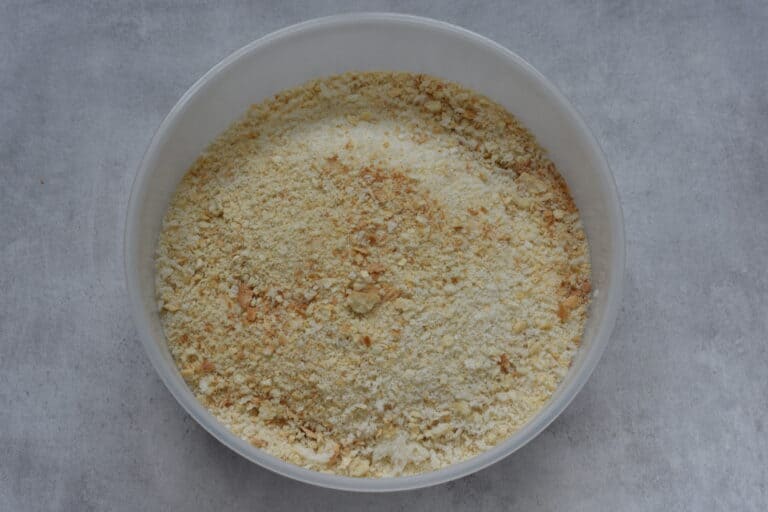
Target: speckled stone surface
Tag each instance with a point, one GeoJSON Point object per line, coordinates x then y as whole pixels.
{"type": "Point", "coordinates": [675, 416]}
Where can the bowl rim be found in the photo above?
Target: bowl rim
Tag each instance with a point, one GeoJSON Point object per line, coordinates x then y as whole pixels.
{"type": "Point", "coordinates": [454, 471]}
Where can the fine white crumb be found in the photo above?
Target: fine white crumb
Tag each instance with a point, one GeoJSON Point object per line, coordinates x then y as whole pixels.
{"type": "Point", "coordinates": [373, 274]}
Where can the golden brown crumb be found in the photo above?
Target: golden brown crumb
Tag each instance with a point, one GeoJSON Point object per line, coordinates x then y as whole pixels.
{"type": "Point", "coordinates": [244, 295]}
{"type": "Point", "coordinates": [504, 363]}
{"type": "Point", "coordinates": [257, 442]}
{"type": "Point", "coordinates": [566, 306]}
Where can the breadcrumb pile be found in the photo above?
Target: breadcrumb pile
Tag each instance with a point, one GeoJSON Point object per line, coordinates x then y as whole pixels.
{"type": "Point", "coordinates": [373, 274]}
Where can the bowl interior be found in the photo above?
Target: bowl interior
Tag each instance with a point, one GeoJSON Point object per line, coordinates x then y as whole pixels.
{"type": "Point", "coordinates": [375, 42]}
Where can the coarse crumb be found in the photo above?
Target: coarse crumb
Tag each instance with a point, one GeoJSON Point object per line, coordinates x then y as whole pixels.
{"type": "Point", "coordinates": [373, 274]}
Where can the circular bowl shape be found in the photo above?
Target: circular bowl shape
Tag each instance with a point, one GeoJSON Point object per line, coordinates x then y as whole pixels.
{"type": "Point", "coordinates": [364, 42]}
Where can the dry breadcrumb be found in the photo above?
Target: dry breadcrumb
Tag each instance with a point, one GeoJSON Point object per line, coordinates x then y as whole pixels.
{"type": "Point", "coordinates": [373, 274]}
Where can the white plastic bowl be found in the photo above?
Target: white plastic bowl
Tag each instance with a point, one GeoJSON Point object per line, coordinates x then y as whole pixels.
{"type": "Point", "coordinates": [361, 42]}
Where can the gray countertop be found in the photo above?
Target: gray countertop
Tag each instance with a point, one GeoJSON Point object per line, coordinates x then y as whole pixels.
{"type": "Point", "coordinates": [674, 417]}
